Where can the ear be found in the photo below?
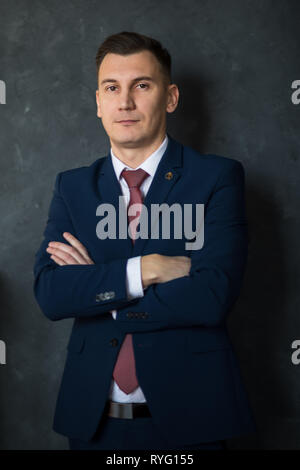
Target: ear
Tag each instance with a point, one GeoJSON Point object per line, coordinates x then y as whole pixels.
{"type": "Point", "coordinates": [99, 114]}
{"type": "Point", "coordinates": [172, 99]}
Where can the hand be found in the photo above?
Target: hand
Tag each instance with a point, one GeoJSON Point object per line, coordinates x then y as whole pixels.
{"type": "Point", "coordinates": [64, 254]}
{"type": "Point", "coordinates": [159, 268]}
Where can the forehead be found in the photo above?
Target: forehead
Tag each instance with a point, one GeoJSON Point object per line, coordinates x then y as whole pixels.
{"type": "Point", "coordinates": [118, 66]}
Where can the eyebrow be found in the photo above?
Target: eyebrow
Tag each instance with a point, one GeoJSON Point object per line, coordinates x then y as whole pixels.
{"type": "Point", "coordinates": [137, 79]}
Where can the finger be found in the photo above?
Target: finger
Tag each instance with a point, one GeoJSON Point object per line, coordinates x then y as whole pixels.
{"type": "Point", "coordinates": [67, 252]}
{"type": "Point", "coordinates": [77, 244]}
{"type": "Point", "coordinates": [57, 260]}
{"type": "Point", "coordinates": [66, 256]}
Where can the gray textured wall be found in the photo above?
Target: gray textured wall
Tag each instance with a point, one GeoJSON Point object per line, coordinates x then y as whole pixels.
{"type": "Point", "coordinates": [234, 62]}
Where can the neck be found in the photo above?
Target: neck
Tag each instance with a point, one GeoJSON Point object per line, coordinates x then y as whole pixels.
{"type": "Point", "coordinates": [133, 157]}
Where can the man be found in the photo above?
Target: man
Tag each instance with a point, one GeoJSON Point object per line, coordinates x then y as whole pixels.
{"type": "Point", "coordinates": [150, 364]}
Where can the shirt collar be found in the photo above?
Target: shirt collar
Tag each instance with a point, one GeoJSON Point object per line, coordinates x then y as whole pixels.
{"type": "Point", "coordinates": [149, 165]}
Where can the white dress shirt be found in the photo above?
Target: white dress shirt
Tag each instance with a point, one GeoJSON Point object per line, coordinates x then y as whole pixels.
{"type": "Point", "coordinates": [133, 269]}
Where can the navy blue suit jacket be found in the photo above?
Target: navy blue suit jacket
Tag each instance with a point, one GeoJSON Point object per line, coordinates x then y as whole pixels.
{"type": "Point", "coordinates": [185, 362]}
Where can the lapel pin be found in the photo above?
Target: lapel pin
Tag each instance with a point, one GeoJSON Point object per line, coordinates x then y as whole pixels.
{"type": "Point", "coordinates": [169, 175]}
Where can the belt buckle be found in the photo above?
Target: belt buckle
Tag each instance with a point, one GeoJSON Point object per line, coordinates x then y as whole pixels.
{"type": "Point", "coordinates": [126, 411]}
{"type": "Point", "coordinates": [121, 410]}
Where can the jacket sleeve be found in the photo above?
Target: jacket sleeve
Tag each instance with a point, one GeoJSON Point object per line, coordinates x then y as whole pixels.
{"type": "Point", "coordinates": [207, 295]}
{"type": "Point", "coordinates": [74, 290]}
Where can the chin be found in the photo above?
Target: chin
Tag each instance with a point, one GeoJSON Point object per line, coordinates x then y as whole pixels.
{"type": "Point", "coordinates": [127, 138]}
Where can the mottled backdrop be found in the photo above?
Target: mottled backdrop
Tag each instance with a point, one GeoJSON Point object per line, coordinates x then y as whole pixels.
{"type": "Point", "coordinates": [234, 62]}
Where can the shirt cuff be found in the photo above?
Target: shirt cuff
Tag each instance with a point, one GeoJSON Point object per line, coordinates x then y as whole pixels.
{"type": "Point", "coordinates": [114, 313]}
{"type": "Point", "coordinates": [134, 284]}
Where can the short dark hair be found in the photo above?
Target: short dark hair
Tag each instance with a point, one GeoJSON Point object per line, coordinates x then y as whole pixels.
{"type": "Point", "coordinates": [127, 42]}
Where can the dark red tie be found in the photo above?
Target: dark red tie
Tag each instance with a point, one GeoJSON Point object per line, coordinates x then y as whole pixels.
{"type": "Point", "coordinates": [124, 371]}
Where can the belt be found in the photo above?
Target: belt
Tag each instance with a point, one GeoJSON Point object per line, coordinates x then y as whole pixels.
{"type": "Point", "coordinates": [126, 410]}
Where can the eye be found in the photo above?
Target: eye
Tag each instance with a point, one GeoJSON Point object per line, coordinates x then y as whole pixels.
{"type": "Point", "coordinates": [143, 85]}
{"type": "Point", "coordinates": [111, 86]}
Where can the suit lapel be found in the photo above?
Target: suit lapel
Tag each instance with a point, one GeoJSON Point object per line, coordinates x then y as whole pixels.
{"type": "Point", "coordinates": [110, 191]}
{"type": "Point", "coordinates": [166, 176]}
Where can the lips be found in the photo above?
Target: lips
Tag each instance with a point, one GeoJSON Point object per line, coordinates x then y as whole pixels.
{"type": "Point", "coordinates": [128, 121]}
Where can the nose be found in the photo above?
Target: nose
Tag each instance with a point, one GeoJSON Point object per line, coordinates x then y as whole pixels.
{"type": "Point", "coordinates": [126, 100]}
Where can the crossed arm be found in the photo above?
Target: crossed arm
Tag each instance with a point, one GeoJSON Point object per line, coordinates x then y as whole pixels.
{"type": "Point", "coordinates": [155, 268]}
{"type": "Point", "coordinates": [67, 282]}
{"type": "Point", "coordinates": [180, 291]}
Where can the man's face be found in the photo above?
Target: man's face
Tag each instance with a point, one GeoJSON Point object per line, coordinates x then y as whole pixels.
{"type": "Point", "coordinates": [126, 94]}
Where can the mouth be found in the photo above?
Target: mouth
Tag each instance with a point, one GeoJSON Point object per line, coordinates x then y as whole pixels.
{"type": "Point", "coordinates": [127, 122]}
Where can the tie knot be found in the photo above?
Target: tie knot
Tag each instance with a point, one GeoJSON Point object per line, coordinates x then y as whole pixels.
{"type": "Point", "coordinates": [134, 178]}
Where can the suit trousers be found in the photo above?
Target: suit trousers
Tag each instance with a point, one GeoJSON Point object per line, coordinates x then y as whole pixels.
{"type": "Point", "coordinates": [134, 434]}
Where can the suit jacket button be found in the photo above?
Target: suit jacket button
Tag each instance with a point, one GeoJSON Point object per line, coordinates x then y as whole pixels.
{"type": "Point", "coordinates": [114, 342]}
